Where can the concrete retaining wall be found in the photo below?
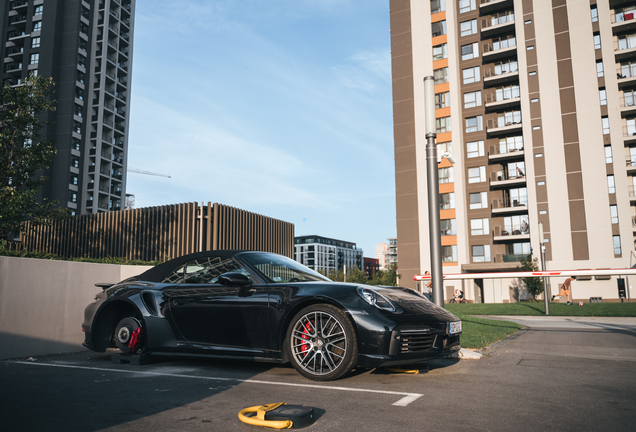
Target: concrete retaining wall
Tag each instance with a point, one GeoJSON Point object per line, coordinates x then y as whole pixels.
{"type": "Point", "coordinates": [42, 303]}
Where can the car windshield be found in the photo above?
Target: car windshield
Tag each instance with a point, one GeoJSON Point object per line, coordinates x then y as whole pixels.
{"type": "Point", "coordinates": [280, 269]}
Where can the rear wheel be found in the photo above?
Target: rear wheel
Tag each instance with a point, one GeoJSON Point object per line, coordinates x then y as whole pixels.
{"type": "Point", "coordinates": [129, 336]}
{"type": "Point", "coordinates": [321, 343]}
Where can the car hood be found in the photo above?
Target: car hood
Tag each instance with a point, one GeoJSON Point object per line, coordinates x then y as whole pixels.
{"type": "Point", "coordinates": [413, 304]}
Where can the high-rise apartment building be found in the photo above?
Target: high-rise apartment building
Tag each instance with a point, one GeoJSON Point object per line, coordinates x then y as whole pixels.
{"type": "Point", "coordinates": [536, 100]}
{"type": "Point", "coordinates": [86, 47]}
{"type": "Point", "coordinates": [327, 254]}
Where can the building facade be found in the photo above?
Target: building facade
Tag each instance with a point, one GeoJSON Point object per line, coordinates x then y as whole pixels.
{"type": "Point", "coordinates": [535, 100]}
{"type": "Point", "coordinates": [380, 250]}
{"type": "Point", "coordinates": [327, 254]}
{"type": "Point", "coordinates": [86, 47]}
{"type": "Point", "coordinates": [371, 266]}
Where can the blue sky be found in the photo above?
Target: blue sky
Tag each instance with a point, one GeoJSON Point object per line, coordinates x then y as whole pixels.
{"type": "Point", "coordinates": [279, 107]}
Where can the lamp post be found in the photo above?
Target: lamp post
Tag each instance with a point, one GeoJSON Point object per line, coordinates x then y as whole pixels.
{"type": "Point", "coordinates": [546, 294]}
{"type": "Point", "coordinates": [435, 236]}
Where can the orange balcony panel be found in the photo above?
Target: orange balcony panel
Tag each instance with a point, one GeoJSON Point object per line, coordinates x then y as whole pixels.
{"type": "Point", "coordinates": [438, 40]}
{"type": "Point", "coordinates": [449, 240]}
{"type": "Point", "coordinates": [442, 88]}
{"type": "Point", "coordinates": [439, 16]}
{"type": "Point", "coordinates": [447, 214]}
{"type": "Point", "coordinates": [447, 188]}
{"type": "Point", "coordinates": [449, 264]}
{"type": "Point", "coordinates": [442, 112]}
{"type": "Point", "coordinates": [444, 137]}
{"type": "Point", "coordinates": [438, 64]}
{"type": "Point", "coordinates": [444, 163]}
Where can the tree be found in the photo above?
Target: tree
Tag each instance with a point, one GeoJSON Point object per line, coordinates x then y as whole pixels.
{"type": "Point", "coordinates": [386, 277]}
{"type": "Point", "coordinates": [534, 285]}
{"type": "Point", "coordinates": [23, 155]}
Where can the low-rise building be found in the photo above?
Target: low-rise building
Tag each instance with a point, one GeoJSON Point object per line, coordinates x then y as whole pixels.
{"type": "Point", "coordinates": [326, 254]}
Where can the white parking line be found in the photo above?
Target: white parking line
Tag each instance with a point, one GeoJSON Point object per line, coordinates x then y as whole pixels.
{"type": "Point", "coordinates": [406, 399]}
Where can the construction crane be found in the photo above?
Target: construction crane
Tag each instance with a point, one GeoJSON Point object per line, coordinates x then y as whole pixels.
{"type": "Point", "coordinates": [138, 171]}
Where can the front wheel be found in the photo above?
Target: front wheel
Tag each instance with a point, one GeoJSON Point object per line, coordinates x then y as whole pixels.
{"type": "Point", "coordinates": [321, 343]}
{"type": "Point", "coordinates": [129, 336]}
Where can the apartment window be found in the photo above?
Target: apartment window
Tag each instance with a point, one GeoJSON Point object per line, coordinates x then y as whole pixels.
{"type": "Point", "coordinates": [82, 44]}
{"type": "Point", "coordinates": [477, 174]}
{"type": "Point", "coordinates": [628, 69]}
{"type": "Point", "coordinates": [38, 10]}
{"type": "Point", "coordinates": [602, 96]}
{"type": "Point", "coordinates": [75, 161]}
{"type": "Point", "coordinates": [443, 124]}
{"type": "Point", "coordinates": [78, 110]}
{"type": "Point", "coordinates": [440, 52]}
{"type": "Point", "coordinates": [467, 6]}
{"type": "Point", "coordinates": [516, 197]}
{"type": "Point", "coordinates": [83, 27]}
{"type": "Point", "coordinates": [627, 41]}
{"type": "Point", "coordinates": [474, 124]}
{"type": "Point", "coordinates": [508, 92]}
{"type": "Point", "coordinates": [438, 6]}
{"type": "Point", "coordinates": [35, 42]}
{"type": "Point", "coordinates": [85, 12]}
{"type": "Point", "coordinates": [76, 145]}
{"type": "Point", "coordinates": [447, 201]}
{"type": "Point", "coordinates": [449, 253]}
{"type": "Point", "coordinates": [518, 249]}
{"type": "Point", "coordinates": [81, 77]}
{"type": "Point", "coordinates": [445, 175]}
{"type": "Point", "coordinates": [77, 127]}
{"type": "Point", "coordinates": [445, 147]}
{"type": "Point", "coordinates": [442, 100]}
{"type": "Point", "coordinates": [478, 200]}
{"type": "Point", "coordinates": [81, 60]}
{"type": "Point", "coordinates": [481, 253]}
{"type": "Point", "coordinates": [73, 180]}
{"type": "Point", "coordinates": [597, 41]}
{"type": "Point", "coordinates": [471, 75]}
{"type": "Point", "coordinates": [611, 186]}
{"type": "Point", "coordinates": [472, 99]}
{"type": "Point", "coordinates": [509, 118]}
{"type": "Point", "coordinates": [516, 225]}
{"type": "Point", "coordinates": [594, 11]}
{"type": "Point", "coordinates": [474, 149]}
{"type": "Point", "coordinates": [439, 28]}
{"type": "Point", "coordinates": [606, 126]}
{"type": "Point", "coordinates": [608, 154]}
{"type": "Point", "coordinates": [79, 93]}
{"type": "Point", "coordinates": [470, 51]}
{"type": "Point", "coordinates": [479, 227]}
{"type": "Point", "coordinates": [510, 144]}
{"type": "Point", "coordinates": [37, 26]}
{"type": "Point", "coordinates": [625, 14]}
{"type": "Point", "coordinates": [72, 196]}
{"type": "Point", "coordinates": [468, 28]}
{"type": "Point", "coordinates": [35, 58]}
{"type": "Point", "coordinates": [448, 226]}
{"type": "Point", "coordinates": [617, 245]}
{"type": "Point", "coordinates": [599, 68]}
{"type": "Point", "coordinates": [507, 66]}
{"type": "Point", "coordinates": [614, 213]}
{"type": "Point", "coordinates": [441, 75]}
{"type": "Point", "coordinates": [516, 169]}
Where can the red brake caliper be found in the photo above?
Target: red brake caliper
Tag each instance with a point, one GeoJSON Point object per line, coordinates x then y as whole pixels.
{"type": "Point", "coordinates": [135, 339]}
{"type": "Point", "coordinates": [305, 346]}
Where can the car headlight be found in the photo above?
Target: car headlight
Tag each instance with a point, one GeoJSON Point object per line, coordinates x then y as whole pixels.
{"type": "Point", "coordinates": [376, 299]}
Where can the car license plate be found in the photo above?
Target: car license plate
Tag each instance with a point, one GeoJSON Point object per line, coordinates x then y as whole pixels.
{"type": "Point", "coordinates": [455, 327]}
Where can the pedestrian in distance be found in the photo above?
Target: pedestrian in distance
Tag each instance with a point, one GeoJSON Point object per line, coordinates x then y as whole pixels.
{"type": "Point", "coordinates": [430, 282]}
{"type": "Point", "coordinates": [565, 290]}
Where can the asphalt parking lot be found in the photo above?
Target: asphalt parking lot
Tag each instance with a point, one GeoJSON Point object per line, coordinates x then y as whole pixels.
{"type": "Point", "coordinates": [565, 375]}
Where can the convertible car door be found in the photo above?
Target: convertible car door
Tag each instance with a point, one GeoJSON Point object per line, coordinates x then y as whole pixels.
{"type": "Point", "coordinates": [219, 317]}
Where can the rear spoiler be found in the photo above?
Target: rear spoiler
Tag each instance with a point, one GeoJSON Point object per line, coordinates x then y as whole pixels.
{"type": "Point", "coordinates": [104, 285]}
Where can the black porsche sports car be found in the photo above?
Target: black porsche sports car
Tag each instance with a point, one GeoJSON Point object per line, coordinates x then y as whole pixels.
{"type": "Point", "coordinates": [266, 307]}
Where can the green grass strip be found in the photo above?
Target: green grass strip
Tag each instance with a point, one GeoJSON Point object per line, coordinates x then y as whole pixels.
{"type": "Point", "coordinates": [479, 332]}
{"type": "Point", "coordinates": [537, 309]}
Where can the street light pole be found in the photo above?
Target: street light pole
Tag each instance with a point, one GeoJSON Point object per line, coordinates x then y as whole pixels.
{"type": "Point", "coordinates": [546, 294]}
{"type": "Point", "coordinates": [435, 236]}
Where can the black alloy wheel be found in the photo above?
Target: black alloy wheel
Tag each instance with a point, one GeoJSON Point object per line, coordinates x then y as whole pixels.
{"type": "Point", "coordinates": [124, 332]}
{"type": "Point", "coordinates": [322, 343]}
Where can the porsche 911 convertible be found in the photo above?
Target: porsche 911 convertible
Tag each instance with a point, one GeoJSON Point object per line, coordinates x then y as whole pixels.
{"type": "Point", "coordinates": [265, 307]}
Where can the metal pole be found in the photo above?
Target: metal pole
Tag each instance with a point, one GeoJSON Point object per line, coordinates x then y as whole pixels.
{"type": "Point", "coordinates": [545, 289]}
{"type": "Point", "coordinates": [435, 236]}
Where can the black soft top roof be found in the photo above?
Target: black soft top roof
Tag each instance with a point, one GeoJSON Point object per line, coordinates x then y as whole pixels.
{"type": "Point", "coordinates": [159, 272]}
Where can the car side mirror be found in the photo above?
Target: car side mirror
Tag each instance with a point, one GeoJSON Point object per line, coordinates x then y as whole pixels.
{"type": "Point", "coordinates": [234, 279]}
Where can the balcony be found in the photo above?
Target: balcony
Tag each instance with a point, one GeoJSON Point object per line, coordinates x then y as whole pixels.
{"type": "Point", "coordinates": [502, 179]}
{"type": "Point", "coordinates": [625, 47]}
{"type": "Point", "coordinates": [630, 163]}
{"type": "Point", "coordinates": [491, 78]}
{"type": "Point", "coordinates": [632, 193]}
{"type": "Point", "coordinates": [512, 257]}
{"type": "Point", "coordinates": [629, 134]}
{"type": "Point", "coordinates": [17, 4]}
{"type": "Point", "coordinates": [17, 34]}
{"type": "Point", "coordinates": [494, 103]}
{"type": "Point", "coordinates": [623, 21]}
{"type": "Point", "coordinates": [497, 154]}
{"type": "Point", "coordinates": [491, 53]}
{"type": "Point", "coordinates": [489, 6]}
{"type": "Point", "coordinates": [496, 128]}
{"type": "Point", "coordinates": [505, 206]}
{"type": "Point", "coordinates": [13, 67]}
{"type": "Point", "coordinates": [511, 233]}
{"type": "Point", "coordinates": [89, 203]}
{"type": "Point", "coordinates": [491, 26]}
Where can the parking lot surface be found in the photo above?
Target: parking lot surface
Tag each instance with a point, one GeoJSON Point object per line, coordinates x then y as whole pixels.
{"type": "Point", "coordinates": [546, 377]}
